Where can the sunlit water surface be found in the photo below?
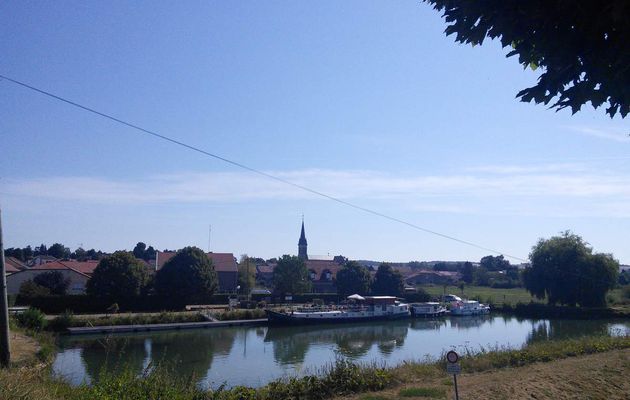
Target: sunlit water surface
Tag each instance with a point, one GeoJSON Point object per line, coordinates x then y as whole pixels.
{"type": "Point", "coordinates": [253, 356]}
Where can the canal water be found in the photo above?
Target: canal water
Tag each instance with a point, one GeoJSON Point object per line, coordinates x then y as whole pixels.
{"type": "Point", "coordinates": [253, 356]}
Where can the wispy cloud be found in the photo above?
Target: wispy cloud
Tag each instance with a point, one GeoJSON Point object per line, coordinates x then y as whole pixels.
{"type": "Point", "coordinates": [616, 134]}
{"type": "Point", "coordinates": [521, 189]}
{"type": "Point", "coordinates": [528, 169]}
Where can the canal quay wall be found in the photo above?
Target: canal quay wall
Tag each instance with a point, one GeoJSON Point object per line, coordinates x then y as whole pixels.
{"type": "Point", "coordinates": [86, 330]}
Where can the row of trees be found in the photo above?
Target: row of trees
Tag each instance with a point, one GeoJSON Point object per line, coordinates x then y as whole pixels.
{"type": "Point", "coordinates": [187, 276]}
{"type": "Point", "coordinates": [355, 278]}
{"type": "Point", "coordinates": [58, 250]}
{"type": "Point", "coordinates": [493, 271]}
{"type": "Point", "coordinates": [291, 276]}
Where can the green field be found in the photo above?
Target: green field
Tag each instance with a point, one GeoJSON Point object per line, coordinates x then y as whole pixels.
{"type": "Point", "coordinates": [505, 296]}
{"type": "Point", "coordinates": [483, 293]}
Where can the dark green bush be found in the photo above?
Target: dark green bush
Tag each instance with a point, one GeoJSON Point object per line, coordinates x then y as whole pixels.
{"type": "Point", "coordinates": [32, 319]}
{"type": "Point", "coordinates": [255, 313]}
{"type": "Point", "coordinates": [419, 296]}
{"type": "Point", "coordinates": [82, 304]}
{"type": "Point", "coordinates": [342, 378]}
{"type": "Point", "coordinates": [505, 284]}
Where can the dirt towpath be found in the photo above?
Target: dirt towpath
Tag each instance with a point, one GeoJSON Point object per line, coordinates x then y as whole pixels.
{"type": "Point", "coordinates": [599, 376]}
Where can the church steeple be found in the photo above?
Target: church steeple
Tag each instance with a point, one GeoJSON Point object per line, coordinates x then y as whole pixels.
{"type": "Point", "coordinates": [302, 244]}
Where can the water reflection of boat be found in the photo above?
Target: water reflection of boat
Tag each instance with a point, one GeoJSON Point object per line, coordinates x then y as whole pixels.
{"type": "Point", "coordinates": [471, 321]}
{"type": "Point", "coordinates": [367, 308]}
{"type": "Point", "coordinates": [427, 324]}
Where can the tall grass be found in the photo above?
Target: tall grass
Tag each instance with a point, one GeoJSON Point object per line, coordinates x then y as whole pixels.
{"type": "Point", "coordinates": [67, 320]}
{"type": "Point", "coordinates": [240, 314]}
{"type": "Point", "coordinates": [475, 360]}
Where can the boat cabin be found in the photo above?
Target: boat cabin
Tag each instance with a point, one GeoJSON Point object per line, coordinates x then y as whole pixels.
{"type": "Point", "coordinates": [380, 300]}
{"type": "Point", "coordinates": [426, 308]}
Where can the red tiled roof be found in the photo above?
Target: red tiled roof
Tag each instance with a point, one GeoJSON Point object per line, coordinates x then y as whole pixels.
{"type": "Point", "coordinates": [86, 268]}
{"type": "Point", "coordinates": [12, 264]}
{"type": "Point", "coordinates": [222, 262]}
{"type": "Point", "coordinates": [319, 266]}
{"type": "Point", "coordinates": [9, 269]}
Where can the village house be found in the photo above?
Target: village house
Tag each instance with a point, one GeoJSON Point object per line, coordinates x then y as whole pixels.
{"type": "Point", "coordinates": [77, 272]}
{"type": "Point", "coordinates": [322, 273]}
{"type": "Point", "coordinates": [224, 264]}
{"type": "Point", "coordinates": [13, 265]}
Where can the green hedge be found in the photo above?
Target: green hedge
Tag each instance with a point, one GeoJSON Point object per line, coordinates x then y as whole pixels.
{"type": "Point", "coordinates": [81, 304]}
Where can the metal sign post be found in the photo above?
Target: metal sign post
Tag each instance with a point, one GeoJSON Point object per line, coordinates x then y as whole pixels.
{"type": "Point", "coordinates": [452, 367]}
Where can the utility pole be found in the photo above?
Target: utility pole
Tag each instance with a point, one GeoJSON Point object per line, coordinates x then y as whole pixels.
{"type": "Point", "coordinates": [5, 349]}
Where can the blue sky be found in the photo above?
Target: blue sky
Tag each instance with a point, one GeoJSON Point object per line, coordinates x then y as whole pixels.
{"type": "Point", "coordinates": [366, 100]}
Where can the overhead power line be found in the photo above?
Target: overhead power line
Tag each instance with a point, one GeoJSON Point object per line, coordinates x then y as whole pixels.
{"type": "Point", "coordinates": [257, 171]}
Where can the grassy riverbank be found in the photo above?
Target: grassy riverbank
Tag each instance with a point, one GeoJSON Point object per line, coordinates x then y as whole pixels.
{"type": "Point", "coordinates": [63, 321]}
{"type": "Point", "coordinates": [483, 293]}
{"type": "Point", "coordinates": [595, 376]}
{"type": "Point", "coordinates": [341, 379]}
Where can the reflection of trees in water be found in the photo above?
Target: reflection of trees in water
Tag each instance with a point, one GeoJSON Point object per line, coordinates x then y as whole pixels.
{"type": "Point", "coordinates": [190, 352]}
{"type": "Point", "coordinates": [564, 329]}
{"type": "Point", "coordinates": [290, 344]}
{"type": "Point", "coordinates": [110, 354]}
{"type": "Point", "coordinates": [193, 351]}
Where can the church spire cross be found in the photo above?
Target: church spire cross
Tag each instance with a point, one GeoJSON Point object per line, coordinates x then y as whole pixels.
{"type": "Point", "coordinates": [302, 244]}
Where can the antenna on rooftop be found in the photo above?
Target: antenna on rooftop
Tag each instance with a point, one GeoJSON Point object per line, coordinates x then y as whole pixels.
{"type": "Point", "coordinates": [209, 234]}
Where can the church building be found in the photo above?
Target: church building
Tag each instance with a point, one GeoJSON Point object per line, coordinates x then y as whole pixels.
{"type": "Point", "coordinates": [302, 245]}
{"type": "Point", "coordinates": [321, 269]}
